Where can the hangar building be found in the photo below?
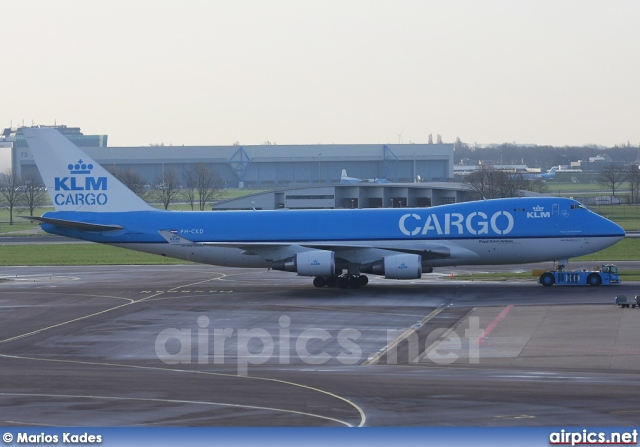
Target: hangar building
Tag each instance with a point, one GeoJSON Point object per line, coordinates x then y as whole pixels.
{"type": "Point", "coordinates": [357, 195]}
{"type": "Point", "coordinates": [261, 166]}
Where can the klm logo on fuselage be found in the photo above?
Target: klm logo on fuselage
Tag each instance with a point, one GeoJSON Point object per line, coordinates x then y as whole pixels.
{"type": "Point", "coordinates": [80, 188]}
{"type": "Point", "coordinates": [538, 213]}
{"type": "Point", "coordinates": [476, 223]}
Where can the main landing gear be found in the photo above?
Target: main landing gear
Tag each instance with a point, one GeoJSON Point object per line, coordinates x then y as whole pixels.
{"type": "Point", "coordinates": [342, 281]}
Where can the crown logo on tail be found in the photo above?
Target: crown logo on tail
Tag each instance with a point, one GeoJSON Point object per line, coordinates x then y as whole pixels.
{"type": "Point", "coordinates": [80, 168]}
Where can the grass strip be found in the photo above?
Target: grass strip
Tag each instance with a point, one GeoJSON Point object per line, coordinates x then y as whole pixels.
{"type": "Point", "coordinates": [78, 254]}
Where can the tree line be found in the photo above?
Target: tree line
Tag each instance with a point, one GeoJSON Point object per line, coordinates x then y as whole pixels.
{"type": "Point", "coordinates": [17, 194]}
{"type": "Point", "coordinates": [198, 186]}
{"type": "Point", "coordinates": [613, 177]}
{"type": "Point", "coordinates": [491, 183]}
{"type": "Point", "coordinates": [540, 156]}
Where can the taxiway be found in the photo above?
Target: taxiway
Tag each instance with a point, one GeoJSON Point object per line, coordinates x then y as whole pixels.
{"type": "Point", "coordinates": [199, 345]}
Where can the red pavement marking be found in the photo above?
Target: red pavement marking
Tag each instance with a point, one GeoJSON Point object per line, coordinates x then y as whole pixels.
{"type": "Point", "coordinates": [494, 323]}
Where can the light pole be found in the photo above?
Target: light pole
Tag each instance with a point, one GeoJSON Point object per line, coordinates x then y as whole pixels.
{"type": "Point", "coordinates": [414, 167]}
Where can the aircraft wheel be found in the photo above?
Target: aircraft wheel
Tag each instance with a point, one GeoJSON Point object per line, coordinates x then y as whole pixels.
{"type": "Point", "coordinates": [355, 282]}
{"type": "Point", "coordinates": [343, 282]}
{"type": "Point", "coordinates": [594, 279]}
{"type": "Point", "coordinates": [547, 280]}
{"type": "Point", "coordinates": [319, 281]}
{"type": "Point", "coordinates": [332, 281]}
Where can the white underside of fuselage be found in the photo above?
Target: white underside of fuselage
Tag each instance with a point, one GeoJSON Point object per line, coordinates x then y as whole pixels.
{"type": "Point", "coordinates": [461, 252]}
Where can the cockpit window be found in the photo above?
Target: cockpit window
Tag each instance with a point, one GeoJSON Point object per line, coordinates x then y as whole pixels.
{"type": "Point", "coordinates": [578, 206]}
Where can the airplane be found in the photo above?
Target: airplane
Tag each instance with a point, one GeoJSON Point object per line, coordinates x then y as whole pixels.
{"type": "Point", "coordinates": [529, 176]}
{"type": "Point", "coordinates": [551, 173]}
{"type": "Point", "coordinates": [335, 247]}
{"type": "Point", "coordinates": [344, 178]}
{"type": "Point", "coordinates": [543, 175]}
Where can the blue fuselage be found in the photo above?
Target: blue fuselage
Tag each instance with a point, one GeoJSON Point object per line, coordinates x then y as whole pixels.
{"type": "Point", "coordinates": [482, 227]}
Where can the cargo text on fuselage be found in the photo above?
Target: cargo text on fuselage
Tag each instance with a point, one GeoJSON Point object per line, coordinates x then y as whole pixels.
{"type": "Point", "coordinates": [475, 223]}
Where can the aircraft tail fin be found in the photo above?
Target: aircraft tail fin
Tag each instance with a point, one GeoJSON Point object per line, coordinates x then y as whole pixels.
{"type": "Point", "coordinates": [73, 180]}
{"type": "Point", "coordinates": [344, 174]}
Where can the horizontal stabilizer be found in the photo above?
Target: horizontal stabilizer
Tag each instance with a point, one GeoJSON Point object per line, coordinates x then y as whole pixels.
{"type": "Point", "coordinates": [85, 226]}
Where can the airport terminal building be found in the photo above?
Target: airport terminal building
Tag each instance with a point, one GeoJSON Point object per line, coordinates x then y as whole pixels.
{"type": "Point", "coordinates": [282, 167]}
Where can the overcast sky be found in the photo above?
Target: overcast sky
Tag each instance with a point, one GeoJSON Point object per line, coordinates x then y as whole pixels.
{"type": "Point", "coordinates": [327, 71]}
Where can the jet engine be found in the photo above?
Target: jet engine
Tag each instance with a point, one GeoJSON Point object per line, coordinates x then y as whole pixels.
{"type": "Point", "coordinates": [404, 266]}
{"type": "Point", "coordinates": [309, 263]}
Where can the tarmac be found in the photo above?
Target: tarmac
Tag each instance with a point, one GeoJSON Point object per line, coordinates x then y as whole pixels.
{"type": "Point", "coordinates": [197, 345]}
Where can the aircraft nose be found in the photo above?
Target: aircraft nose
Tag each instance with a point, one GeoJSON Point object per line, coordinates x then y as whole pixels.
{"type": "Point", "coordinates": [621, 231]}
{"type": "Point", "coordinates": [614, 229]}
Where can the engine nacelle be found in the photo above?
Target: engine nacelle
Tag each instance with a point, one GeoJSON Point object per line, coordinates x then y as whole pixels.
{"type": "Point", "coordinates": [405, 266]}
{"type": "Point", "coordinates": [309, 263]}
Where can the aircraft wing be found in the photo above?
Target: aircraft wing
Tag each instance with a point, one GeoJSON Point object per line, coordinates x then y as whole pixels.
{"type": "Point", "coordinates": [272, 251]}
{"type": "Point", "coordinates": [353, 253]}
